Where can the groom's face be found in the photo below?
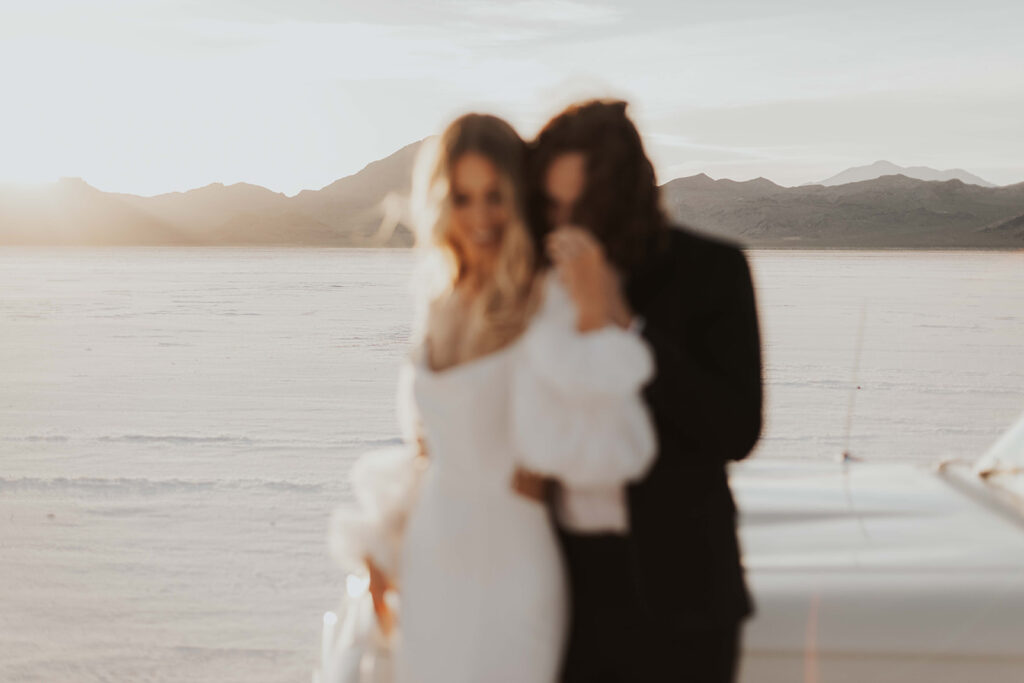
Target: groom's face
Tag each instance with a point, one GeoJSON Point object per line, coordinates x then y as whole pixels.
{"type": "Point", "coordinates": [564, 182]}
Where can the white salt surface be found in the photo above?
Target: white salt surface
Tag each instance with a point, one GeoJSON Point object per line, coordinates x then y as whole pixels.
{"type": "Point", "coordinates": [176, 425]}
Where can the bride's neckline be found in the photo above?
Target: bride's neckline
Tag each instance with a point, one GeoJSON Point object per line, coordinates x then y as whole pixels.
{"type": "Point", "coordinates": [421, 352]}
{"type": "Point", "coordinates": [421, 356]}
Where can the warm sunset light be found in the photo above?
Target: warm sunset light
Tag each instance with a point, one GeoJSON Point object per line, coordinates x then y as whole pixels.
{"type": "Point", "coordinates": [512, 341]}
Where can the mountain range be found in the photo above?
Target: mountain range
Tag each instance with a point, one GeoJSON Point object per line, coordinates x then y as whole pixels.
{"type": "Point", "coordinates": [891, 210]}
{"type": "Point", "coordinates": [887, 212]}
{"type": "Point", "coordinates": [345, 213]}
{"type": "Point", "coordinates": [883, 168]}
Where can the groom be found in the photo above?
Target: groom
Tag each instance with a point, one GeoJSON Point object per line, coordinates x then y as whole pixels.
{"type": "Point", "coordinates": [666, 601]}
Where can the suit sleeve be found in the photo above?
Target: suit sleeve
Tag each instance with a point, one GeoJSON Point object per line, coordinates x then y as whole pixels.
{"type": "Point", "coordinates": [708, 388]}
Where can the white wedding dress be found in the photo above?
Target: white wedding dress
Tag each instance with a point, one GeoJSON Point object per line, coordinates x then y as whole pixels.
{"type": "Point", "coordinates": [483, 593]}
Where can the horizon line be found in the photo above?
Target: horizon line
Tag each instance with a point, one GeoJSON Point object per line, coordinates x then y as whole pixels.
{"type": "Point", "coordinates": [39, 184]}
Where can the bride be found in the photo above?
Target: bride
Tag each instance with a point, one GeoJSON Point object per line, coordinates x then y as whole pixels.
{"type": "Point", "coordinates": [517, 377]}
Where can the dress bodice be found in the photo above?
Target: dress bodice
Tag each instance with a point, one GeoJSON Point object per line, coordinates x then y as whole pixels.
{"type": "Point", "coordinates": [464, 414]}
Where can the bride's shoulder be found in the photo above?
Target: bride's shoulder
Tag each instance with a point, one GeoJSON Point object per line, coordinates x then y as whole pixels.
{"type": "Point", "coordinates": [441, 304]}
{"type": "Point", "coordinates": [443, 315]}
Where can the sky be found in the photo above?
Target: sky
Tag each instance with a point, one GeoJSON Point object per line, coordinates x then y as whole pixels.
{"type": "Point", "coordinates": [152, 96]}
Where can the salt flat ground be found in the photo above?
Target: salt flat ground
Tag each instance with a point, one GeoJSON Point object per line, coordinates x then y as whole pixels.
{"type": "Point", "coordinates": [177, 424]}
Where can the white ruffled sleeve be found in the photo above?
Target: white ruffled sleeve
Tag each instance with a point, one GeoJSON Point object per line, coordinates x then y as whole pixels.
{"type": "Point", "coordinates": [577, 411]}
{"type": "Point", "coordinates": [384, 483]}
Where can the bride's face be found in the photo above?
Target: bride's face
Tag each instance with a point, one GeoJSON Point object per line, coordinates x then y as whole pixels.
{"type": "Point", "coordinates": [479, 211]}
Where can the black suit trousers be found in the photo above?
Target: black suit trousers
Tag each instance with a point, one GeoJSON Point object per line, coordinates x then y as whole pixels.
{"type": "Point", "coordinates": [613, 640]}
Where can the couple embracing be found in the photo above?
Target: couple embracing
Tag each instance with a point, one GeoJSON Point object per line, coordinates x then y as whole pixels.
{"type": "Point", "coordinates": [583, 372]}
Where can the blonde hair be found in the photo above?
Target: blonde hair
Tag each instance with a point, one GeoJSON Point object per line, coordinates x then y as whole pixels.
{"type": "Point", "coordinates": [501, 308]}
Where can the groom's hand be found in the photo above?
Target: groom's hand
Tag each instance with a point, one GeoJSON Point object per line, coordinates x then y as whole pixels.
{"type": "Point", "coordinates": [531, 485]}
{"type": "Point", "coordinates": [592, 282]}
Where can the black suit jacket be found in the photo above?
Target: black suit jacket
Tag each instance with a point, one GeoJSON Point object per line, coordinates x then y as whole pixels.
{"type": "Point", "coordinates": [697, 302]}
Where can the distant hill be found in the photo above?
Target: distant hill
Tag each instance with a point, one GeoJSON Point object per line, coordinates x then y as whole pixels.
{"type": "Point", "coordinates": [202, 212]}
{"type": "Point", "coordinates": [357, 201]}
{"type": "Point", "coordinates": [891, 211]}
{"type": "Point", "coordinates": [348, 212]}
{"type": "Point", "coordinates": [72, 212]}
{"type": "Point", "coordinates": [888, 212]}
{"type": "Point", "coordinates": [884, 168]}
{"type": "Point", "coordinates": [1011, 229]}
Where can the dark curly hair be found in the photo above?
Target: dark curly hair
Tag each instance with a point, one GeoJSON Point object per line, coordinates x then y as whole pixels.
{"type": "Point", "coordinates": [620, 202]}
